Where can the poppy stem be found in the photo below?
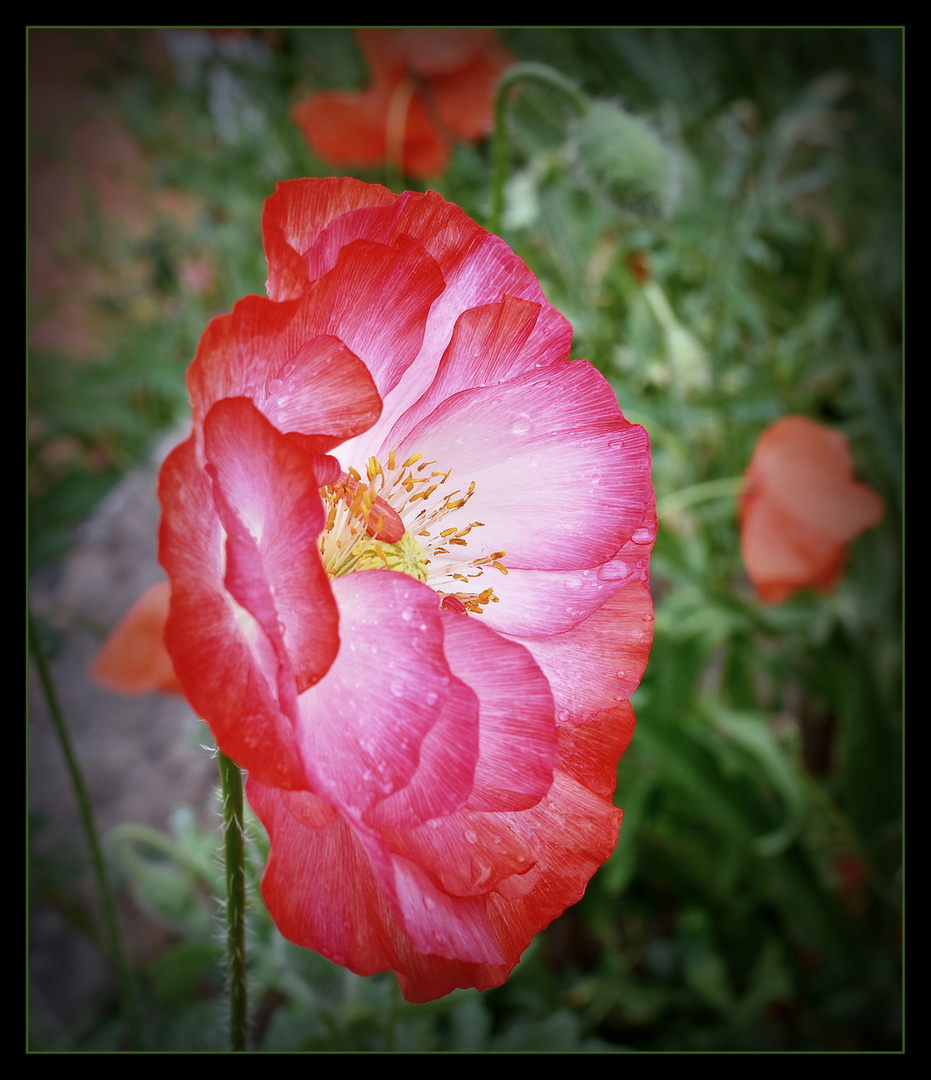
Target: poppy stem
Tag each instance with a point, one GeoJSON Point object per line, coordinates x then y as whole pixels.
{"type": "Point", "coordinates": [725, 487]}
{"type": "Point", "coordinates": [518, 73]}
{"type": "Point", "coordinates": [234, 839]}
{"type": "Point", "coordinates": [127, 984]}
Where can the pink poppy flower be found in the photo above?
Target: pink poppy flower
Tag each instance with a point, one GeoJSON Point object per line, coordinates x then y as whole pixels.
{"type": "Point", "coordinates": [800, 507]}
{"type": "Point", "coordinates": [428, 89]}
{"type": "Point", "coordinates": [408, 544]}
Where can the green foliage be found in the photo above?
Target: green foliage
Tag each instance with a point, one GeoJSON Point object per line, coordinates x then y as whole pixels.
{"type": "Point", "coordinates": [753, 902]}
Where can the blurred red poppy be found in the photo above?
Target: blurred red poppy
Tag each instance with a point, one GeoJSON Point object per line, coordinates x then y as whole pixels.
{"type": "Point", "coordinates": [429, 88]}
{"type": "Point", "coordinates": [800, 507]}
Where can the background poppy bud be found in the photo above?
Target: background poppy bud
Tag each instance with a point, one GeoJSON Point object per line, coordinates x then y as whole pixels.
{"type": "Point", "coordinates": [624, 161]}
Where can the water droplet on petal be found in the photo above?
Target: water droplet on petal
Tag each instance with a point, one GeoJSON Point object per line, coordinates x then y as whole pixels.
{"type": "Point", "coordinates": [642, 536]}
{"type": "Point", "coordinates": [397, 688]}
{"type": "Point", "coordinates": [521, 423]}
{"type": "Point", "coordinates": [613, 571]}
{"type": "Point", "coordinates": [471, 836]}
{"type": "Point", "coordinates": [407, 614]}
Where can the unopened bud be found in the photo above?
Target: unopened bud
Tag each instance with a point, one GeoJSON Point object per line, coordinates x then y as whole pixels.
{"type": "Point", "coordinates": [624, 161]}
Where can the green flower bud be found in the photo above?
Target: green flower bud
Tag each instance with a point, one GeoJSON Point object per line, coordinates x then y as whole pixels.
{"type": "Point", "coordinates": [624, 161]}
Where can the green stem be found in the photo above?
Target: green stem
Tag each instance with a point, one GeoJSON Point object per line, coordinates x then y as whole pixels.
{"type": "Point", "coordinates": [128, 994]}
{"type": "Point", "coordinates": [231, 780]}
{"type": "Point", "coordinates": [518, 73]}
{"type": "Point", "coordinates": [727, 487]}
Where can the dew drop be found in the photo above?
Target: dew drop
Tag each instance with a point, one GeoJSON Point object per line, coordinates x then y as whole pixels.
{"type": "Point", "coordinates": [471, 836]}
{"type": "Point", "coordinates": [521, 423]}
{"type": "Point", "coordinates": [428, 903]}
{"type": "Point", "coordinates": [407, 614]}
{"type": "Point", "coordinates": [397, 688]}
{"type": "Point", "coordinates": [274, 386]}
{"type": "Point", "coordinates": [642, 536]}
{"type": "Point", "coordinates": [613, 571]}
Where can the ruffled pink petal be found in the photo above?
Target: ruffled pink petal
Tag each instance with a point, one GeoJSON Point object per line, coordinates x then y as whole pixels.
{"type": "Point", "coordinates": [517, 722]}
{"type": "Point", "coordinates": [265, 350]}
{"type": "Point", "coordinates": [319, 884]}
{"type": "Point", "coordinates": [391, 731]}
{"type": "Point", "coordinates": [561, 478]}
{"type": "Point", "coordinates": [534, 603]}
{"type": "Point", "coordinates": [600, 662]}
{"type": "Point", "coordinates": [221, 654]}
{"type": "Point", "coordinates": [268, 501]}
{"type": "Point", "coordinates": [346, 912]}
{"type": "Point", "coordinates": [477, 268]}
{"type": "Point", "coordinates": [467, 853]}
{"type": "Point", "coordinates": [369, 280]}
{"type": "Point", "coordinates": [271, 354]}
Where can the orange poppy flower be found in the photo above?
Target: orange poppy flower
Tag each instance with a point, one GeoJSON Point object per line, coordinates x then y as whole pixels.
{"type": "Point", "coordinates": [134, 659]}
{"type": "Point", "coordinates": [800, 507]}
{"type": "Point", "coordinates": [428, 88]}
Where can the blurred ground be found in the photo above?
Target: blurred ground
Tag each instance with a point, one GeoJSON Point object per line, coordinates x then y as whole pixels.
{"type": "Point", "coordinates": [138, 754]}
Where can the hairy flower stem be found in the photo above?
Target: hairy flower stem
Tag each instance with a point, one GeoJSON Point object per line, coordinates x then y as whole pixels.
{"type": "Point", "coordinates": [234, 837]}
{"type": "Point", "coordinates": [128, 994]}
{"type": "Point", "coordinates": [518, 73]}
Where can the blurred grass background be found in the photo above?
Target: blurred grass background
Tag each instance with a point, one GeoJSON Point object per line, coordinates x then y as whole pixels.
{"type": "Point", "coordinates": [754, 901]}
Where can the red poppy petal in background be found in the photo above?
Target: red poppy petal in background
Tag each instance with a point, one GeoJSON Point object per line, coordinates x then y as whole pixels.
{"type": "Point", "coordinates": [134, 659]}
{"type": "Point", "coordinates": [344, 129]}
{"type": "Point", "coordinates": [464, 100]}
{"type": "Point", "coordinates": [220, 653]}
{"type": "Point", "coordinates": [268, 500]}
{"type": "Point", "coordinates": [429, 52]}
{"type": "Point", "coordinates": [800, 507]}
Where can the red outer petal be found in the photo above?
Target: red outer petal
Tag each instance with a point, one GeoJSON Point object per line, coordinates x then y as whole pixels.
{"type": "Point", "coordinates": [295, 216]}
{"type": "Point", "coordinates": [134, 659]}
{"type": "Point", "coordinates": [267, 498]}
{"type": "Point", "coordinates": [611, 647]}
{"type": "Point", "coordinates": [346, 914]}
{"type": "Point", "coordinates": [220, 653]}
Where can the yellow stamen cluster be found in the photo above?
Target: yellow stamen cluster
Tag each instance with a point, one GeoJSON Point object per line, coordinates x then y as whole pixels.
{"type": "Point", "coordinates": [389, 521]}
